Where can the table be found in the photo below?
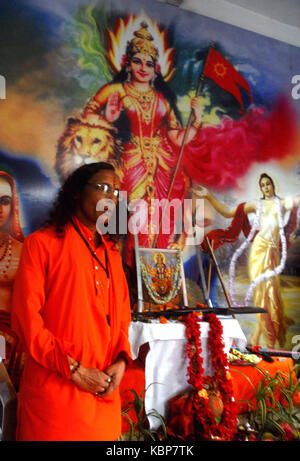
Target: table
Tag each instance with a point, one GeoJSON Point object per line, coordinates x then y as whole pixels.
{"type": "Point", "coordinates": [165, 363]}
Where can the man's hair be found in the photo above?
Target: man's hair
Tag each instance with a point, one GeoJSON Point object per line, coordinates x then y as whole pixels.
{"type": "Point", "coordinates": [65, 204]}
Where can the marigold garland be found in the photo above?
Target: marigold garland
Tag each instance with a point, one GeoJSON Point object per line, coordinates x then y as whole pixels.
{"type": "Point", "coordinates": [207, 426]}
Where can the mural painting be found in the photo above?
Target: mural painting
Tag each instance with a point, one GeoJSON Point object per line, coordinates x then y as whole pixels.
{"type": "Point", "coordinates": [183, 106]}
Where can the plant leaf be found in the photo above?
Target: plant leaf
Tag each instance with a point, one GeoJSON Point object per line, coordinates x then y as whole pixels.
{"type": "Point", "coordinates": [245, 376]}
{"type": "Point", "coordinates": [276, 426]}
{"type": "Point", "coordinates": [263, 410]}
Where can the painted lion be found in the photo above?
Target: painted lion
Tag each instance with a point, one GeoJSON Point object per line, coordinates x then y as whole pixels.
{"type": "Point", "coordinates": [86, 140]}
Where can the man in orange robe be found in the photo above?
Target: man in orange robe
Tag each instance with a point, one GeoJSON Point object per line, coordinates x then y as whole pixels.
{"type": "Point", "coordinates": [72, 312]}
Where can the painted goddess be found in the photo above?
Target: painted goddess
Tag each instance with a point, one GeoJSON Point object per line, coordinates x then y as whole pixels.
{"type": "Point", "coordinates": [267, 255]}
{"type": "Point", "coordinates": [11, 239]}
{"type": "Point", "coordinates": [143, 106]}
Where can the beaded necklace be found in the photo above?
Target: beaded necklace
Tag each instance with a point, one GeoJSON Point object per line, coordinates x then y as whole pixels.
{"type": "Point", "coordinates": [144, 100]}
{"type": "Point", "coordinates": [5, 259]}
{"type": "Point", "coordinates": [93, 253]}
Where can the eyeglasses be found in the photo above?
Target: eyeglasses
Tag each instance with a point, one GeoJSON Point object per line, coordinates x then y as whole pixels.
{"type": "Point", "coordinates": [105, 188]}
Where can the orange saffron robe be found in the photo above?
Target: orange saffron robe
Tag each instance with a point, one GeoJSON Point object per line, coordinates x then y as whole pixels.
{"type": "Point", "coordinates": [60, 306]}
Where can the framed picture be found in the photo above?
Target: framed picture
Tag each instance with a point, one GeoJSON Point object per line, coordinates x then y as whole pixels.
{"type": "Point", "coordinates": [160, 279]}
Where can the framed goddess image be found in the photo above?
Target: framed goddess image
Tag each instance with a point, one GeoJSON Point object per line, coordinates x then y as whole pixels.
{"type": "Point", "coordinates": [160, 278]}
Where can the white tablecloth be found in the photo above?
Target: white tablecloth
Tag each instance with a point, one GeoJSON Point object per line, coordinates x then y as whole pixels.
{"type": "Point", "coordinates": [166, 365]}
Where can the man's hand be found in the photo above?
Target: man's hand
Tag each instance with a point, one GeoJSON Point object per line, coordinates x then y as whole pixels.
{"type": "Point", "coordinates": [116, 372]}
{"type": "Point", "coordinates": [91, 380]}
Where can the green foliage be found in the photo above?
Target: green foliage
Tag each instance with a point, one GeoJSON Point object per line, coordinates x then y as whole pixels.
{"type": "Point", "coordinates": [139, 430]}
{"type": "Point", "coordinates": [274, 411]}
{"type": "Point", "coordinates": [86, 37]}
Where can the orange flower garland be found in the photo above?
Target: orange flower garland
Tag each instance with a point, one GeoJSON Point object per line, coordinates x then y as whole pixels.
{"type": "Point", "coordinates": [207, 424]}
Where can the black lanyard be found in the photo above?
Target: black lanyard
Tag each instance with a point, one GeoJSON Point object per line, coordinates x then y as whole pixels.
{"type": "Point", "coordinates": [92, 252]}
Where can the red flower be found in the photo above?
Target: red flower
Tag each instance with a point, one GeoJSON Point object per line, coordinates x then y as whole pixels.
{"type": "Point", "coordinates": [163, 319]}
{"type": "Point", "coordinates": [226, 428]}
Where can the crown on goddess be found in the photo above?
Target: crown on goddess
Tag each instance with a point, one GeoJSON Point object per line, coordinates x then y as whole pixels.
{"type": "Point", "coordinates": [142, 43]}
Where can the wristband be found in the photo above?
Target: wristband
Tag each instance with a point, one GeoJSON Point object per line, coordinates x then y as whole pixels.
{"type": "Point", "coordinates": [74, 367]}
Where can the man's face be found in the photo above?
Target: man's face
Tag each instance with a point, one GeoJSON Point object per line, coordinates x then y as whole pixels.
{"type": "Point", "coordinates": [100, 191]}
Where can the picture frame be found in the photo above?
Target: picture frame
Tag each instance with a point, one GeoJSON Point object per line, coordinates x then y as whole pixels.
{"type": "Point", "coordinates": [160, 279]}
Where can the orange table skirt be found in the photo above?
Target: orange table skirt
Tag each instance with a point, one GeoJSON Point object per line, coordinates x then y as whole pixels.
{"type": "Point", "coordinates": [134, 378]}
{"type": "Point", "coordinates": [242, 388]}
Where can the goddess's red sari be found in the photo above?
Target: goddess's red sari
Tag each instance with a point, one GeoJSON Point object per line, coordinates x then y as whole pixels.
{"type": "Point", "coordinates": [217, 156]}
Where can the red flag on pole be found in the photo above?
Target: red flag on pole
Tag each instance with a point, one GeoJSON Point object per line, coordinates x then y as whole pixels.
{"type": "Point", "coordinates": [226, 76]}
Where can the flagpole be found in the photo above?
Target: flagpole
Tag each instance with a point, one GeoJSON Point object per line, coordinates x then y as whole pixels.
{"type": "Point", "coordinates": [189, 123]}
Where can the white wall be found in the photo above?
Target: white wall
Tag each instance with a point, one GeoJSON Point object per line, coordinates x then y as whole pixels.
{"type": "Point", "coordinates": [279, 19]}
